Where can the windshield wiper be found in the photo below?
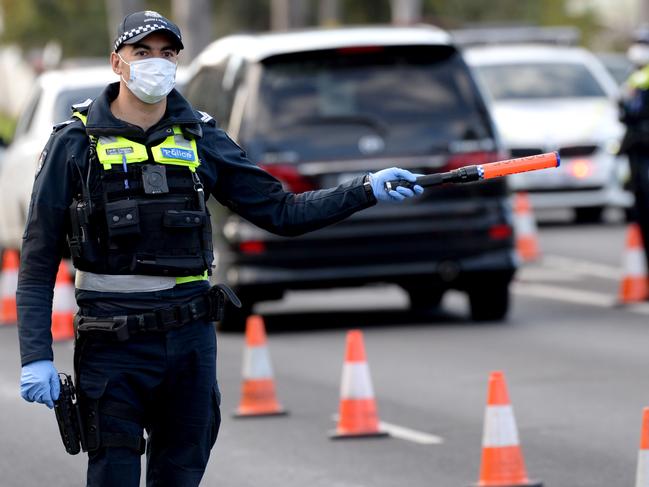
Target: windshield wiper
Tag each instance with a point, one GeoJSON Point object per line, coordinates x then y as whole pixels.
{"type": "Point", "coordinates": [351, 119]}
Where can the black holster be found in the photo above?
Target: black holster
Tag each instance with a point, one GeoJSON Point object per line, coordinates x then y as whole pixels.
{"type": "Point", "coordinates": [68, 417]}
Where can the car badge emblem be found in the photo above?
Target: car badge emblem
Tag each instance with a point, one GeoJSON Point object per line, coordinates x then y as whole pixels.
{"type": "Point", "coordinates": [371, 144]}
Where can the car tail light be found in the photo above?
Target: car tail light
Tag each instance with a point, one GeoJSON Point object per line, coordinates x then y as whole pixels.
{"type": "Point", "coordinates": [252, 247]}
{"type": "Point", "coordinates": [500, 231]}
{"type": "Point", "coordinates": [359, 49]}
{"type": "Point", "coordinates": [470, 158]}
{"type": "Point", "coordinates": [290, 177]}
{"type": "Point", "coordinates": [581, 168]}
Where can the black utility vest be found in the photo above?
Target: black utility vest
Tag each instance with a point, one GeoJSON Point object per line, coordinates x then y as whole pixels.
{"type": "Point", "coordinates": [142, 211]}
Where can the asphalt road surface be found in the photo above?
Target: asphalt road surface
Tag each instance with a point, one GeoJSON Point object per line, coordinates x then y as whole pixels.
{"type": "Point", "coordinates": [575, 363]}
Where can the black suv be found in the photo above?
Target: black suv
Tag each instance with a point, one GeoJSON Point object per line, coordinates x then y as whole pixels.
{"type": "Point", "coordinates": [317, 107]}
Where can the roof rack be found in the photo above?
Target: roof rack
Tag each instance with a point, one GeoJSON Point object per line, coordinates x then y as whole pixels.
{"type": "Point", "coordinates": [567, 36]}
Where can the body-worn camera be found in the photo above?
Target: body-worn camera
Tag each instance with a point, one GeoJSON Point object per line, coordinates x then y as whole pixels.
{"type": "Point", "coordinates": [68, 417]}
{"type": "Point", "coordinates": [154, 179]}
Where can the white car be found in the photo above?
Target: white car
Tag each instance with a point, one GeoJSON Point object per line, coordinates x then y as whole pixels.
{"type": "Point", "coordinates": [53, 94]}
{"type": "Point", "coordinates": [546, 98]}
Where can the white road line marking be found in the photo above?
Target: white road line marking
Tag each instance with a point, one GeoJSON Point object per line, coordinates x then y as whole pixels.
{"type": "Point", "coordinates": [404, 433]}
{"type": "Point", "coordinates": [583, 267]}
{"type": "Point", "coordinates": [576, 296]}
{"type": "Point", "coordinates": [568, 295]}
{"type": "Point", "coordinates": [408, 434]}
{"type": "Point", "coordinates": [541, 274]}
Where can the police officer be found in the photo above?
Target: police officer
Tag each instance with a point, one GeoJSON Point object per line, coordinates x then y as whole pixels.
{"type": "Point", "coordinates": [635, 115]}
{"type": "Point", "coordinates": [123, 184]}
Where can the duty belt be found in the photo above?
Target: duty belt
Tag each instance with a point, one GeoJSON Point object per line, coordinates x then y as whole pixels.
{"type": "Point", "coordinates": [209, 305]}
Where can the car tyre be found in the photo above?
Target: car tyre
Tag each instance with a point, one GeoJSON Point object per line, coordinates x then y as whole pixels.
{"type": "Point", "coordinates": [489, 302]}
{"type": "Point", "coordinates": [425, 298]}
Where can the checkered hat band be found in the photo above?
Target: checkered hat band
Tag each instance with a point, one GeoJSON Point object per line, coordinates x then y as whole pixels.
{"type": "Point", "coordinates": [138, 30]}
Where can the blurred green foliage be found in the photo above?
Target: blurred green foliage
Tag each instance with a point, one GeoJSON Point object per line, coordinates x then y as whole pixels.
{"type": "Point", "coordinates": [79, 25]}
{"type": "Point", "coordinates": [82, 29]}
{"type": "Point", "coordinates": [7, 127]}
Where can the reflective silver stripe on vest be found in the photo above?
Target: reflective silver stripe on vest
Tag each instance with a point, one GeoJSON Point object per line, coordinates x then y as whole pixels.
{"type": "Point", "coordinates": [108, 283]}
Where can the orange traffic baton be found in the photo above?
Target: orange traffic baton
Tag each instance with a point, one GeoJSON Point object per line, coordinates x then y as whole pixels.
{"type": "Point", "coordinates": [490, 170]}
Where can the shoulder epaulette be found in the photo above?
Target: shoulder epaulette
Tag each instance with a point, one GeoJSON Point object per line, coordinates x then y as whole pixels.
{"type": "Point", "coordinates": [60, 125]}
{"type": "Point", "coordinates": [83, 106]}
{"type": "Point", "coordinates": [205, 117]}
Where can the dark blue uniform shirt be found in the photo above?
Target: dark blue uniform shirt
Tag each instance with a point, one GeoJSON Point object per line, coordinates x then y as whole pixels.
{"type": "Point", "coordinates": [225, 172]}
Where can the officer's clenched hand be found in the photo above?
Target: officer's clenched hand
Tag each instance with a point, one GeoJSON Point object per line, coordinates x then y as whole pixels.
{"type": "Point", "coordinates": [39, 381]}
{"type": "Point", "coordinates": [378, 180]}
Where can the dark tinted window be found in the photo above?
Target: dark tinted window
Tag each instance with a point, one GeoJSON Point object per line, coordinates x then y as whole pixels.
{"type": "Point", "coordinates": [399, 100]}
{"type": "Point", "coordinates": [545, 80]}
{"type": "Point", "coordinates": [214, 88]}
{"type": "Point", "coordinates": [205, 92]}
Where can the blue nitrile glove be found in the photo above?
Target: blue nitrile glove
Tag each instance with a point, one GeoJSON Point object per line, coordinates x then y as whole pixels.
{"type": "Point", "coordinates": [39, 381]}
{"type": "Point", "coordinates": [378, 180]}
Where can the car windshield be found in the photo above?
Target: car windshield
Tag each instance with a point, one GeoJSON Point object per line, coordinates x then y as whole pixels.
{"type": "Point", "coordinates": [363, 101]}
{"type": "Point", "coordinates": [69, 97]}
{"type": "Point", "coordinates": [540, 80]}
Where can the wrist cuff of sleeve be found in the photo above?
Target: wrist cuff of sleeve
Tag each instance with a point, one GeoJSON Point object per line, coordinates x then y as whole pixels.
{"type": "Point", "coordinates": [367, 185]}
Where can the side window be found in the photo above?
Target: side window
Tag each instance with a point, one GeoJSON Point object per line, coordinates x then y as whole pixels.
{"type": "Point", "coordinates": [213, 88]}
{"type": "Point", "coordinates": [205, 92]}
{"type": "Point", "coordinates": [26, 119]}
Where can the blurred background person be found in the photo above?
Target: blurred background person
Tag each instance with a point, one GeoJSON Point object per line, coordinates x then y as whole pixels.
{"type": "Point", "coordinates": [635, 115]}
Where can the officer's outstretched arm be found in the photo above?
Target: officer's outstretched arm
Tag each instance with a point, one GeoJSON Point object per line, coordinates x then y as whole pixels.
{"type": "Point", "coordinates": [260, 198]}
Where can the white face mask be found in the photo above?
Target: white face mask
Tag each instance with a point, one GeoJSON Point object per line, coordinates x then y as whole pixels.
{"type": "Point", "coordinates": [151, 79]}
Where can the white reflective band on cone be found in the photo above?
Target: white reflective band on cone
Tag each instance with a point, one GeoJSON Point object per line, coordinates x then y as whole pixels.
{"type": "Point", "coordinates": [525, 225]}
{"type": "Point", "coordinates": [635, 262]}
{"type": "Point", "coordinates": [499, 427]}
{"type": "Point", "coordinates": [642, 473]}
{"type": "Point", "coordinates": [8, 283]}
{"type": "Point", "coordinates": [356, 382]}
{"type": "Point", "coordinates": [63, 299]}
{"type": "Point", "coordinates": [256, 363]}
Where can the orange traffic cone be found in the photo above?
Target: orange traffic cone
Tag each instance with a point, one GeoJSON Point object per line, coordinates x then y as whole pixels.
{"type": "Point", "coordinates": [642, 472]}
{"type": "Point", "coordinates": [502, 459]}
{"type": "Point", "coordinates": [258, 389]}
{"type": "Point", "coordinates": [634, 286]}
{"type": "Point", "coordinates": [358, 415]}
{"type": "Point", "coordinates": [525, 230]}
{"type": "Point", "coordinates": [64, 305]}
{"type": "Point", "coordinates": [8, 286]}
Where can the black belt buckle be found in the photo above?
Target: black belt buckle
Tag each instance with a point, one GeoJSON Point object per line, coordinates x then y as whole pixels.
{"type": "Point", "coordinates": [120, 327]}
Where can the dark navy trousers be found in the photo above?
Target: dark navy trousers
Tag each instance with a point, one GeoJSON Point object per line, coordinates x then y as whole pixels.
{"type": "Point", "coordinates": [161, 383]}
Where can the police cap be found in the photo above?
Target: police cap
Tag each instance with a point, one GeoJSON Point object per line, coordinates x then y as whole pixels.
{"type": "Point", "coordinates": [138, 25]}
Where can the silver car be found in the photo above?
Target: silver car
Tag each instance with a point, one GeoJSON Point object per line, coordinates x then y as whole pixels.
{"type": "Point", "coordinates": [52, 95]}
{"type": "Point", "coordinates": [545, 98]}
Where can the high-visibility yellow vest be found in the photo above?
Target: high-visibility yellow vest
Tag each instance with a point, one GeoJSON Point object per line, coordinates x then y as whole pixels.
{"type": "Point", "coordinates": [174, 150]}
